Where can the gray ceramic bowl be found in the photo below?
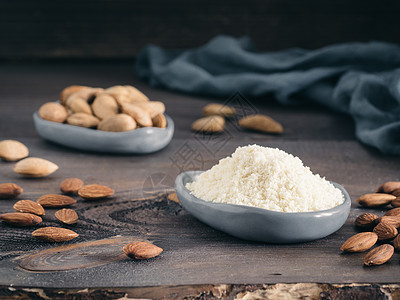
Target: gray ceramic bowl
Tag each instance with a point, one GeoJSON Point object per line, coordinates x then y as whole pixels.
{"type": "Point", "coordinates": [141, 140]}
{"type": "Point", "coordinates": [262, 225]}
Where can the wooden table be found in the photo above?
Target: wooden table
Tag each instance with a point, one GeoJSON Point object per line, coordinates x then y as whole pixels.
{"type": "Point", "coordinates": [197, 261]}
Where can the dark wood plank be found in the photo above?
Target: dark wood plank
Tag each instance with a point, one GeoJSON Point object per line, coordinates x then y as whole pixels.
{"type": "Point", "coordinates": [114, 29]}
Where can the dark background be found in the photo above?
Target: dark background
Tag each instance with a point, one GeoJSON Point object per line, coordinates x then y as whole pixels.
{"type": "Point", "coordinates": [110, 29]}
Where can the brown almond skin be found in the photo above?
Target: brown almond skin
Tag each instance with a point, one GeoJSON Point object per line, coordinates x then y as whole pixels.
{"type": "Point", "coordinates": [95, 191]}
{"type": "Point", "coordinates": [379, 255]}
{"type": "Point", "coordinates": [366, 220]}
{"type": "Point", "coordinates": [385, 231]}
{"type": "Point", "coordinates": [360, 242]}
{"type": "Point", "coordinates": [54, 234]}
{"type": "Point", "coordinates": [29, 206]}
{"type": "Point", "coordinates": [216, 109]}
{"type": "Point", "coordinates": [393, 212]}
{"type": "Point", "coordinates": [20, 219]}
{"type": "Point", "coordinates": [71, 185]}
{"type": "Point", "coordinates": [54, 200]}
{"type": "Point", "coordinates": [375, 199]}
{"type": "Point", "coordinates": [396, 242]}
{"type": "Point", "coordinates": [391, 220]}
{"type": "Point", "coordinates": [142, 250]}
{"type": "Point", "coordinates": [261, 123]}
{"type": "Point", "coordinates": [10, 190]}
{"type": "Point", "coordinates": [209, 124]}
{"type": "Point", "coordinates": [388, 187]}
{"type": "Point", "coordinates": [396, 202]}
{"type": "Point", "coordinates": [67, 216]}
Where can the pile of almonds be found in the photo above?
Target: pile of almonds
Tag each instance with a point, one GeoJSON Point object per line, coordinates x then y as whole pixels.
{"type": "Point", "coordinates": [11, 150]}
{"type": "Point", "coordinates": [215, 115]}
{"type": "Point", "coordinates": [117, 108]}
{"type": "Point", "coordinates": [377, 229]}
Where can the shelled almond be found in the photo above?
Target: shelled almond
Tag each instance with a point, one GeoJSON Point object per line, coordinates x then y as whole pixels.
{"type": "Point", "coordinates": [29, 206]}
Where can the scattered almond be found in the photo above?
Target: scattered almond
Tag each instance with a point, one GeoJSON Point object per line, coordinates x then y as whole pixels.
{"type": "Point", "coordinates": [105, 106]}
{"type": "Point", "coordinates": [118, 123]}
{"type": "Point", "coordinates": [396, 242]}
{"type": "Point", "coordinates": [141, 116]}
{"type": "Point", "coordinates": [391, 220]}
{"type": "Point", "coordinates": [396, 202]}
{"type": "Point", "coordinates": [388, 187]}
{"type": "Point", "coordinates": [379, 255]}
{"type": "Point", "coordinates": [393, 212]}
{"type": "Point", "coordinates": [29, 206]}
{"type": "Point", "coordinates": [66, 216]}
{"type": "Point", "coordinates": [360, 242]}
{"type": "Point", "coordinates": [142, 250]}
{"type": "Point", "coordinates": [95, 191]}
{"type": "Point", "coordinates": [54, 200]}
{"type": "Point", "coordinates": [215, 109]}
{"type": "Point", "coordinates": [53, 111]}
{"type": "Point", "coordinates": [385, 231]}
{"type": "Point", "coordinates": [366, 220]}
{"type": "Point", "coordinates": [261, 123]}
{"type": "Point", "coordinates": [35, 167]}
{"type": "Point", "coordinates": [83, 120]}
{"type": "Point", "coordinates": [71, 185]}
{"type": "Point", "coordinates": [54, 234]}
{"type": "Point", "coordinates": [159, 121]}
{"type": "Point", "coordinates": [209, 124]}
{"type": "Point", "coordinates": [20, 219]}
{"type": "Point", "coordinates": [9, 190]}
{"type": "Point", "coordinates": [12, 150]}
{"type": "Point", "coordinates": [375, 199]}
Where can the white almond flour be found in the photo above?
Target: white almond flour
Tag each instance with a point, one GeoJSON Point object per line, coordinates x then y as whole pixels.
{"type": "Point", "coordinates": [267, 178]}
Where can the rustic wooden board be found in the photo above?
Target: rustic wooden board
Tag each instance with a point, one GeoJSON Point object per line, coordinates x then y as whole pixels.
{"type": "Point", "coordinates": [193, 252]}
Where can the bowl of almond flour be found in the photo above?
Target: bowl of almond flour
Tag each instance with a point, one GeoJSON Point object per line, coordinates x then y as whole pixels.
{"type": "Point", "coordinates": [264, 194]}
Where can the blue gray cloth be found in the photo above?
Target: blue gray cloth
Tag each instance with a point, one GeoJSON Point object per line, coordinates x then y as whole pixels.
{"type": "Point", "coordinates": [360, 79]}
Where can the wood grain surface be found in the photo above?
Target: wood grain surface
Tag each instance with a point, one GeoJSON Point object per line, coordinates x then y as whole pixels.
{"type": "Point", "coordinates": [194, 254]}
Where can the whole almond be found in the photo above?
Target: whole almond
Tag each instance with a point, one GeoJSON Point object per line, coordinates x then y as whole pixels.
{"type": "Point", "coordinates": [118, 123]}
{"type": "Point", "coordinates": [385, 231]}
{"type": "Point", "coordinates": [12, 150]}
{"type": "Point", "coordinates": [135, 95]}
{"type": "Point", "coordinates": [393, 212]}
{"type": "Point", "coordinates": [9, 190]}
{"type": "Point", "coordinates": [375, 200]}
{"type": "Point", "coordinates": [95, 191]}
{"type": "Point", "coordinates": [66, 216]}
{"type": "Point", "coordinates": [20, 219]}
{"type": "Point", "coordinates": [71, 185]}
{"type": "Point", "coordinates": [360, 242]}
{"type": "Point", "coordinates": [121, 93]}
{"type": "Point", "coordinates": [379, 255]}
{"type": "Point", "coordinates": [152, 107]}
{"type": "Point", "coordinates": [209, 124]}
{"type": "Point", "coordinates": [396, 202]}
{"type": "Point", "coordinates": [396, 242]}
{"type": "Point", "coordinates": [54, 200]}
{"type": "Point", "coordinates": [104, 106]}
{"type": "Point", "coordinates": [54, 234]}
{"type": "Point", "coordinates": [83, 120]}
{"type": "Point", "coordinates": [29, 206]}
{"type": "Point", "coordinates": [261, 123]}
{"type": "Point", "coordinates": [140, 115]}
{"type": "Point", "coordinates": [159, 121]}
{"type": "Point", "coordinates": [391, 220]}
{"type": "Point", "coordinates": [366, 220]}
{"type": "Point", "coordinates": [388, 187]}
{"type": "Point", "coordinates": [83, 94]}
{"type": "Point", "coordinates": [35, 167]}
{"type": "Point", "coordinates": [69, 90]}
{"type": "Point", "coordinates": [79, 105]}
{"type": "Point", "coordinates": [215, 109]}
{"type": "Point", "coordinates": [142, 250]}
{"type": "Point", "coordinates": [53, 111]}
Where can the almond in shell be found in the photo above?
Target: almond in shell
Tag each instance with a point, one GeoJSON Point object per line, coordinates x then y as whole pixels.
{"type": "Point", "coordinates": [375, 199]}
{"type": "Point", "coordinates": [54, 200]}
{"type": "Point", "coordinates": [67, 216]}
{"type": "Point", "coordinates": [29, 206]}
{"type": "Point", "coordinates": [95, 191]}
{"type": "Point", "coordinates": [71, 185]}
{"type": "Point", "coordinates": [216, 109]}
{"type": "Point", "coordinates": [379, 255]}
{"type": "Point", "coordinates": [20, 219]}
{"type": "Point", "coordinates": [360, 242]}
{"type": "Point", "coordinates": [118, 123]}
{"type": "Point", "coordinates": [142, 250]}
{"type": "Point", "coordinates": [54, 234]}
{"type": "Point", "coordinates": [35, 167]}
{"type": "Point", "coordinates": [12, 150]}
{"type": "Point", "coordinates": [104, 106]}
{"type": "Point", "coordinates": [209, 124]}
{"type": "Point", "coordinates": [83, 120]}
{"type": "Point", "coordinates": [54, 112]}
{"type": "Point", "coordinates": [9, 190]}
{"type": "Point", "coordinates": [385, 231]}
{"type": "Point", "coordinates": [261, 123]}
